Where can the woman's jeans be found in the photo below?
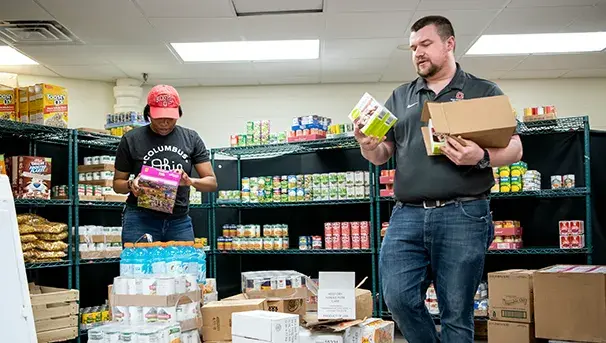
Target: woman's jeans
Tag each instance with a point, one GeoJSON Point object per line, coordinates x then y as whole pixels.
{"type": "Point", "coordinates": [137, 222]}
{"type": "Point", "coordinates": [446, 245]}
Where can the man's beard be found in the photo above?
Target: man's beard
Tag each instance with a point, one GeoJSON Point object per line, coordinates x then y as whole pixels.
{"type": "Point", "coordinates": [431, 71]}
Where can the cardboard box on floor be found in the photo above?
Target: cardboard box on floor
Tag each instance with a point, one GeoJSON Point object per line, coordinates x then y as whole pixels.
{"type": "Point", "coordinates": [507, 332]}
{"type": "Point", "coordinates": [264, 327]}
{"type": "Point", "coordinates": [356, 331]}
{"type": "Point", "coordinates": [289, 306]}
{"type": "Point", "coordinates": [489, 122]}
{"type": "Point", "coordinates": [570, 303]}
{"type": "Point", "coordinates": [217, 323]}
{"type": "Point", "coordinates": [510, 295]}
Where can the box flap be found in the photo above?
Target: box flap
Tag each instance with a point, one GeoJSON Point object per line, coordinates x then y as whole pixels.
{"type": "Point", "coordinates": [479, 114]}
{"type": "Point", "coordinates": [435, 112]}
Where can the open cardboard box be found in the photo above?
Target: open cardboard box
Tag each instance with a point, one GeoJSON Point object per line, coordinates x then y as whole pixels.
{"type": "Point", "coordinates": [489, 122]}
{"type": "Point", "coordinates": [217, 325]}
{"type": "Point", "coordinates": [364, 305]}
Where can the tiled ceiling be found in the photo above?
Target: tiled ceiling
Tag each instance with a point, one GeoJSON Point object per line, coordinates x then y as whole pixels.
{"type": "Point", "coordinates": [125, 38]}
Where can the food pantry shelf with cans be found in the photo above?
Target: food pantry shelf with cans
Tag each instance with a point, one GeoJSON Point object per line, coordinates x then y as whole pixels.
{"type": "Point", "coordinates": [517, 178]}
{"type": "Point", "coordinates": [298, 188]}
{"type": "Point", "coordinates": [248, 237]}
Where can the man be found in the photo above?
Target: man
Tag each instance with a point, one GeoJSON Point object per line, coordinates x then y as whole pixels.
{"type": "Point", "coordinates": [441, 226]}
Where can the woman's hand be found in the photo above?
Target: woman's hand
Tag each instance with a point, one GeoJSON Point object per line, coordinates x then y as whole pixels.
{"type": "Point", "coordinates": [134, 187]}
{"type": "Point", "coordinates": [185, 179]}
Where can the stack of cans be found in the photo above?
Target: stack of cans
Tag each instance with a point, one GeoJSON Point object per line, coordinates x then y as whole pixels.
{"type": "Point", "coordinates": [531, 180]}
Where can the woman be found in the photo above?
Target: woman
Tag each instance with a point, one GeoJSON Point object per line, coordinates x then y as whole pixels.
{"type": "Point", "coordinates": [165, 145]}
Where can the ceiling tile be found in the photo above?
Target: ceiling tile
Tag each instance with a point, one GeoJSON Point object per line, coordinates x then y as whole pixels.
{"type": "Point", "coordinates": [291, 68]}
{"type": "Point", "coordinates": [465, 22]}
{"type": "Point", "coordinates": [228, 81]}
{"type": "Point", "coordinates": [185, 30]}
{"type": "Point", "coordinates": [340, 6]}
{"type": "Point", "coordinates": [489, 63]}
{"type": "Point", "coordinates": [187, 8]}
{"type": "Point", "coordinates": [437, 5]}
{"type": "Point", "coordinates": [64, 55]}
{"type": "Point", "coordinates": [112, 22]}
{"type": "Point", "coordinates": [343, 77]}
{"type": "Point", "coordinates": [586, 73]}
{"type": "Point", "coordinates": [174, 82]}
{"type": "Point", "coordinates": [23, 10]}
{"type": "Point", "coordinates": [359, 48]}
{"type": "Point", "coordinates": [492, 75]}
{"type": "Point", "coordinates": [28, 70]}
{"type": "Point", "coordinates": [188, 70]}
{"type": "Point", "coordinates": [355, 65]}
{"type": "Point", "coordinates": [286, 80]}
{"type": "Point", "coordinates": [276, 27]}
{"type": "Point", "coordinates": [592, 19]}
{"type": "Point", "coordinates": [533, 74]}
{"type": "Point", "coordinates": [106, 72]}
{"type": "Point", "coordinates": [136, 53]}
{"type": "Point", "coordinates": [367, 25]}
{"type": "Point", "coordinates": [264, 6]}
{"type": "Point", "coordinates": [533, 20]}
{"type": "Point", "coordinates": [463, 44]}
{"type": "Point", "coordinates": [553, 3]}
{"type": "Point", "coordinates": [566, 61]}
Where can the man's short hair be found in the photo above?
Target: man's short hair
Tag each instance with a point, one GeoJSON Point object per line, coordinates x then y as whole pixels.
{"type": "Point", "coordinates": [443, 25]}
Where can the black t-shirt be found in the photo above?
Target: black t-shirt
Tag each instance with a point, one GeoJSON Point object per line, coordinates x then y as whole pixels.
{"type": "Point", "coordinates": [420, 177]}
{"type": "Point", "coordinates": [181, 149]}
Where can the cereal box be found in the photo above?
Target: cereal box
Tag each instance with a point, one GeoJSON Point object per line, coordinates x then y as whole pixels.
{"type": "Point", "coordinates": [23, 114]}
{"type": "Point", "coordinates": [31, 177]}
{"type": "Point", "coordinates": [50, 106]}
{"type": "Point", "coordinates": [159, 189]}
{"type": "Point", "coordinates": [8, 107]}
{"type": "Point", "coordinates": [31, 104]}
{"type": "Point", "coordinates": [371, 117]}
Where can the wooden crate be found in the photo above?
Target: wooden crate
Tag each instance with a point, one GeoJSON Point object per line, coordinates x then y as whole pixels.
{"type": "Point", "coordinates": [55, 313]}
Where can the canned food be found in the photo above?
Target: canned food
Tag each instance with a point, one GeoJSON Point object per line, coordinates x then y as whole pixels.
{"type": "Point", "coordinates": [355, 241]}
{"type": "Point", "coordinates": [228, 243]}
{"type": "Point", "coordinates": [360, 190]}
{"type": "Point", "coordinates": [220, 243]}
{"type": "Point", "coordinates": [268, 243]}
{"type": "Point", "coordinates": [96, 160]}
{"type": "Point", "coordinates": [82, 177]}
{"type": "Point", "coordinates": [304, 243]}
{"type": "Point", "coordinates": [88, 161]}
{"type": "Point", "coordinates": [278, 243]}
{"type": "Point", "coordinates": [359, 178]}
{"type": "Point", "coordinates": [268, 230]}
{"type": "Point", "coordinates": [300, 194]}
{"type": "Point", "coordinates": [316, 242]}
{"type": "Point", "coordinates": [96, 176]}
{"type": "Point", "coordinates": [568, 181]}
{"type": "Point", "coordinates": [285, 243]}
{"type": "Point", "coordinates": [350, 178]}
{"type": "Point", "coordinates": [351, 192]}
{"type": "Point", "coordinates": [89, 176]}
{"type": "Point", "coordinates": [324, 179]}
{"type": "Point", "coordinates": [366, 178]}
{"type": "Point", "coordinates": [342, 192]}
{"type": "Point", "coordinates": [556, 181]}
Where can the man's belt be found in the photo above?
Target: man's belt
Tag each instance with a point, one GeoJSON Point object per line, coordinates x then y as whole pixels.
{"type": "Point", "coordinates": [428, 204]}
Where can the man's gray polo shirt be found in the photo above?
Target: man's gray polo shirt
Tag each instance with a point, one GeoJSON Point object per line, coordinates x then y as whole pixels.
{"type": "Point", "coordinates": [420, 177]}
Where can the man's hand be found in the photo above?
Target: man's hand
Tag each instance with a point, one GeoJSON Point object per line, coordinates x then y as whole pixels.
{"type": "Point", "coordinates": [367, 143]}
{"type": "Point", "coordinates": [462, 155]}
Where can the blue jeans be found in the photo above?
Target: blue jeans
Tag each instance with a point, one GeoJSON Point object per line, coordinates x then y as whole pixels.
{"type": "Point", "coordinates": [163, 228]}
{"type": "Point", "coordinates": [445, 245]}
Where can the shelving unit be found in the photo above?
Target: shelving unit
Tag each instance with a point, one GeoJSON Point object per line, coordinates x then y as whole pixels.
{"type": "Point", "coordinates": [34, 136]}
{"type": "Point", "coordinates": [562, 125]}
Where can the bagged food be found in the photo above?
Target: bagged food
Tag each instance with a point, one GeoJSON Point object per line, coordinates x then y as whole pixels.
{"type": "Point", "coordinates": [28, 238]}
{"type": "Point", "coordinates": [27, 246]}
{"type": "Point", "coordinates": [38, 254]}
{"type": "Point", "coordinates": [30, 219]}
{"type": "Point", "coordinates": [52, 236]}
{"type": "Point", "coordinates": [26, 229]}
{"type": "Point", "coordinates": [51, 228]}
{"type": "Point", "coordinates": [43, 260]}
{"type": "Point", "coordinates": [50, 246]}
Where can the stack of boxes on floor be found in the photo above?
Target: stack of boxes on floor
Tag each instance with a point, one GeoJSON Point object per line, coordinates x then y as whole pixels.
{"type": "Point", "coordinates": [281, 299]}
{"type": "Point", "coordinates": [554, 304]}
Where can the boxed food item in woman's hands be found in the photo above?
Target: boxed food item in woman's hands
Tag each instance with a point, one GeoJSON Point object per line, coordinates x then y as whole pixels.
{"type": "Point", "coordinates": [159, 189]}
{"type": "Point", "coordinates": [371, 117]}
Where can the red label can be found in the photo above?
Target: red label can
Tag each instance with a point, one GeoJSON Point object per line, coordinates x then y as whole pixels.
{"type": "Point", "coordinates": [364, 228]}
{"type": "Point", "coordinates": [336, 242]}
{"type": "Point", "coordinates": [327, 229]}
{"type": "Point", "coordinates": [365, 242]}
{"type": "Point", "coordinates": [345, 228]}
{"type": "Point", "coordinates": [355, 228]}
{"type": "Point", "coordinates": [564, 242]}
{"type": "Point", "coordinates": [355, 241]}
{"type": "Point", "coordinates": [345, 242]}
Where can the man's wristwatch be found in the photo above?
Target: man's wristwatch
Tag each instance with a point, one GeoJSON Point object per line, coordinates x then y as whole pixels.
{"type": "Point", "coordinates": [485, 161]}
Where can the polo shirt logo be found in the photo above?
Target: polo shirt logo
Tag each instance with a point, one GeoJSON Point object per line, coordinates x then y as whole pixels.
{"type": "Point", "coordinates": [460, 96]}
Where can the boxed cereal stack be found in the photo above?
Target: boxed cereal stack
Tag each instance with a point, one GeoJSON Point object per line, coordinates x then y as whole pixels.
{"type": "Point", "coordinates": [8, 103]}
{"type": "Point", "coordinates": [23, 115]}
{"type": "Point", "coordinates": [30, 176]}
{"type": "Point", "coordinates": [572, 234]}
{"type": "Point", "coordinates": [50, 105]}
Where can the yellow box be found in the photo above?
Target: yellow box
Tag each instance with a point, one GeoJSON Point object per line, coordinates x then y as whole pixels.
{"type": "Point", "coordinates": [8, 104]}
{"type": "Point", "coordinates": [31, 104]}
{"type": "Point", "coordinates": [23, 96]}
{"type": "Point", "coordinates": [51, 105]}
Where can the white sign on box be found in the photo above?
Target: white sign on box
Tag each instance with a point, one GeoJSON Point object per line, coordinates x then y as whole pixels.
{"type": "Point", "coordinates": [337, 295]}
{"type": "Point", "coordinates": [264, 327]}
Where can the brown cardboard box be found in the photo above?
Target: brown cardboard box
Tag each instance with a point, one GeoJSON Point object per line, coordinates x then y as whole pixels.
{"type": "Point", "coordinates": [489, 122]}
{"type": "Point", "coordinates": [289, 306]}
{"type": "Point", "coordinates": [217, 317]}
{"type": "Point", "coordinates": [364, 304]}
{"type": "Point", "coordinates": [510, 295]}
{"type": "Point", "coordinates": [570, 303]}
{"type": "Point", "coordinates": [506, 332]}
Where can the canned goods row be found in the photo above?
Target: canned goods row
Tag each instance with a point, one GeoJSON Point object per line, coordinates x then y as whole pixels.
{"type": "Point", "coordinates": [160, 332]}
{"type": "Point", "coordinates": [515, 169]}
{"type": "Point", "coordinates": [96, 176]}
{"type": "Point", "coordinates": [124, 117]}
{"type": "Point", "coordinates": [254, 230]}
{"type": "Point", "coordinates": [244, 244]}
{"type": "Point", "coordinates": [272, 280]}
{"type": "Point", "coordinates": [100, 230]}
{"type": "Point", "coordinates": [540, 110]}
{"type": "Point", "coordinates": [95, 160]}
{"type": "Point", "coordinates": [94, 190]}
{"type": "Point", "coordinates": [337, 129]}
{"type": "Point", "coordinates": [310, 242]}
{"type": "Point", "coordinates": [307, 194]}
{"type": "Point", "coordinates": [94, 316]}
{"type": "Point", "coordinates": [59, 191]}
{"type": "Point", "coordinates": [305, 180]}
{"type": "Point", "coordinates": [243, 140]}
{"type": "Point", "coordinates": [562, 181]}
{"type": "Point", "coordinates": [347, 235]}
{"type": "Point", "coordinates": [100, 247]}
{"type": "Point", "coordinates": [229, 196]}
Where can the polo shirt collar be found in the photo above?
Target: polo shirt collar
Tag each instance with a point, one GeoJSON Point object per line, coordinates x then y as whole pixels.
{"type": "Point", "coordinates": [457, 81]}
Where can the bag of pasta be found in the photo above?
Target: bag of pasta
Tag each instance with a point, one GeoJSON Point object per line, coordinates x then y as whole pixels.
{"type": "Point", "coordinates": [28, 238]}
{"type": "Point", "coordinates": [30, 219]}
{"type": "Point", "coordinates": [51, 228]}
{"type": "Point", "coordinates": [27, 229]}
{"type": "Point", "coordinates": [52, 236]}
{"type": "Point", "coordinates": [50, 246]}
{"type": "Point", "coordinates": [27, 246]}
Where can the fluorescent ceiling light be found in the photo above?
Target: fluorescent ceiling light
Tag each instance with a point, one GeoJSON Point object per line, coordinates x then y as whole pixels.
{"type": "Point", "coordinates": [12, 57]}
{"type": "Point", "coordinates": [542, 43]}
{"type": "Point", "coordinates": [248, 50]}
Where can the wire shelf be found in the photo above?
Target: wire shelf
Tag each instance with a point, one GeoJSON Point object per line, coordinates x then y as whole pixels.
{"type": "Point", "coordinates": [41, 265]}
{"type": "Point", "coordinates": [34, 132]}
{"type": "Point", "coordinates": [293, 204]}
{"type": "Point", "coordinates": [273, 150]}
{"type": "Point", "coordinates": [538, 251]}
{"type": "Point", "coordinates": [42, 202]}
{"type": "Point", "coordinates": [101, 204]}
{"type": "Point", "coordinates": [198, 206]}
{"type": "Point", "coordinates": [559, 125]}
{"type": "Point", "coordinates": [545, 193]}
{"type": "Point", "coordinates": [99, 260]}
{"type": "Point", "coordinates": [292, 252]}
{"type": "Point", "coordinates": [98, 141]}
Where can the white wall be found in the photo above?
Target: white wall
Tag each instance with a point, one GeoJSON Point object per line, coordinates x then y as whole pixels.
{"type": "Point", "coordinates": [217, 112]}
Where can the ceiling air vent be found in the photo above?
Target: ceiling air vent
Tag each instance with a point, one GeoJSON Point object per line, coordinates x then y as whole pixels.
{"type": "Point", "coordinates": [36, 32]}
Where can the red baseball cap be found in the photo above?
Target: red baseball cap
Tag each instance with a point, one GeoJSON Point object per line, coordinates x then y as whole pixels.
{"type": "Point", "coordinates": [164, 102]}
